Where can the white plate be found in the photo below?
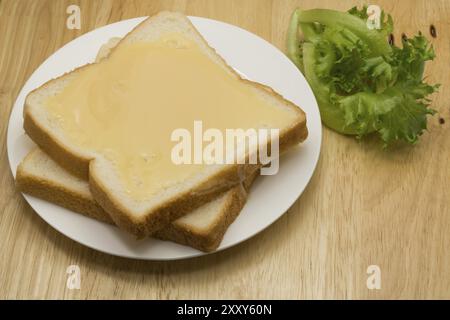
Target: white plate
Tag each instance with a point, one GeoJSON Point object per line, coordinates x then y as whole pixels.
{"type": "Point", "coordinates": [270, 196]}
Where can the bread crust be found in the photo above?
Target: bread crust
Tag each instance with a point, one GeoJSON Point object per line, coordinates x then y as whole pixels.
{"type": "Point", "coordinates": [207, 240]}
{"type": "Point", "coordinates": [75, 164]}
{"type": "Point", "coordinates": [59, 194]}
{"type": "Point", "coordinates": [177, 206]}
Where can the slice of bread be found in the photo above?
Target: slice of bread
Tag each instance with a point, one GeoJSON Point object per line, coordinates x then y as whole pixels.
{"type": "Point", "coordinates": [203, 228]}
{"type": "Point", "coordinates": [145, 216]}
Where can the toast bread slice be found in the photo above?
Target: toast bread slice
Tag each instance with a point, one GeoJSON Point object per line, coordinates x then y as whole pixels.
{"type": "Point", "coordinates": [142, 218]}
{"type": "Point", "coordinates": [202, 229]}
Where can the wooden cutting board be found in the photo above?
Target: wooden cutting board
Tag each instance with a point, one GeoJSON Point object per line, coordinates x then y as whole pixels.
{"type": "Point", "coordinates": [364, 206]}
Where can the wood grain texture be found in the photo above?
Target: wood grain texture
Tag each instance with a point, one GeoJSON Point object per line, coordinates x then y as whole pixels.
{"type": "Point", "coordinates": [363, 206]}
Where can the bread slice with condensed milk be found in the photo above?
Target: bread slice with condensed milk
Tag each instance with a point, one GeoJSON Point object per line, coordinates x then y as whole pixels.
{"type": "Point", "coordinates": [111, 122]}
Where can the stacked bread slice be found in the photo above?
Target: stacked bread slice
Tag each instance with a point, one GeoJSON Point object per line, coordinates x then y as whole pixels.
{"type": "Point", "coordinates": [74, 169]}
{"type": "Point", "coordinates": [202, 228]}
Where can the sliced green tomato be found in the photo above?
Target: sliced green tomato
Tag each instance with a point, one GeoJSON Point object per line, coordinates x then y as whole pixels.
{"type": "Point", "coordinates": [293, 42]}
{"type": "Point", "coordinates": [330, 18]}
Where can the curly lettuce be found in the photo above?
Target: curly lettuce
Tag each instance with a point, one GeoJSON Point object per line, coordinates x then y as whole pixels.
{"type": "Point", "coordinates": [363, 85]}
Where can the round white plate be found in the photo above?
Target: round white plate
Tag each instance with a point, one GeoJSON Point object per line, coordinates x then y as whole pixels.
{"type": "Point", "coordinates": [270, 197]}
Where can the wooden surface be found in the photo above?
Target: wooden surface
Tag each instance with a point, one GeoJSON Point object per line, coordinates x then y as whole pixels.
{"type": "Point", "coordinates": [364, 206]}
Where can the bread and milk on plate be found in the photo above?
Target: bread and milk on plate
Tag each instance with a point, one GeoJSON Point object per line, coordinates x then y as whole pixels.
{"type": "Point", "coordinates": [104, 134]}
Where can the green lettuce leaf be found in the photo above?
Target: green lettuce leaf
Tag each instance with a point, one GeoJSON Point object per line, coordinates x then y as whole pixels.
{"type": "Point", "coordinates": [362, 84]}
